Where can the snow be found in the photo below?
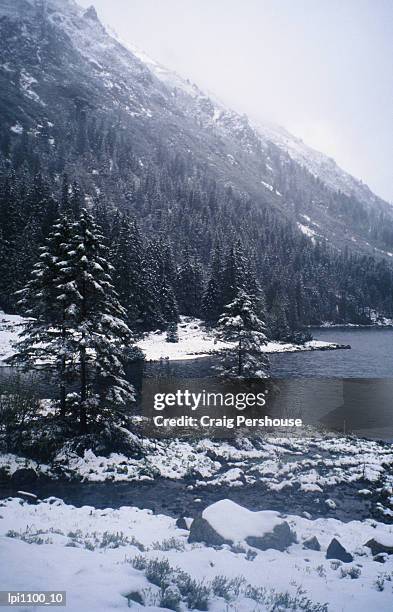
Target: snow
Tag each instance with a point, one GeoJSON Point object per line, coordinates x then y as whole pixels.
{"type": "Point", "coordinates": [26, 81]}
{"type": "Point", "coordinates": [54, 545]}
{"type": "Point", "coordinates": [17, 128]}
{"type": "Point", "coordinates": [235, 523]}
{"type": "Point", "coordinates": [269, 187]}
{"type": "Point", "coordinates": [196, 341]}
{"type": "Point", "coordinates": [307, 231]}
{"type": "Point", "coordinates": [10, 327]}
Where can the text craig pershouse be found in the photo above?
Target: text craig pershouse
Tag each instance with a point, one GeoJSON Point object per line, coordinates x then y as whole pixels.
{"type": "Point", "coordinates": [181, 407]}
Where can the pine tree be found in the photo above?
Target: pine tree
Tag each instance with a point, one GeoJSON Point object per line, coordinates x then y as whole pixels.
{"type": "Point", "coordinates": [100, 334]}
{"type": "Point", "coordinates": [168, 303]}
{"type": "Point", "coordinates": [46, 300]}
{"type": "Point", "coordinates": [212, 302]}
{"type": "Point", "coordinates": [130, 276]}
{"type": "Point", "coordinates": [234, 274]}
{"type": "Point", "coordinates": [190, 286]}
{"type": "Point", "coordinates": [77, 323]}
{"type": "Point", "coordinates": [241, 326]}
{"type": "Point", "coordinates": [171, 332]}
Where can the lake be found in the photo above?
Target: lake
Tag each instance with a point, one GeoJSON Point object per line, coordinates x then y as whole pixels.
{"type": "Point", "coordinates": [344, 390]}
{"type": "Point", "coordinates": [371, 355]}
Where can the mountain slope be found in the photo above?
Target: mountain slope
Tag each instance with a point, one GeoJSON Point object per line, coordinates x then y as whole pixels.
{"type": "Point", "coordinates": [58, 60]}
{"type": "Point", "coordinates": [75, 101]}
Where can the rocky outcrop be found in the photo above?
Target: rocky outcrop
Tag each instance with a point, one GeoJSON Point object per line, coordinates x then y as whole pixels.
{"type": "Point", "coordinates": [24, 475]}
{"type": "Point", "coordinates": [202, 531]}
{"type": "Point", "coordinates": [337, 551]}
{"type": "Point", "coordinates": [280, 538]}
{"type": "Point", "coordinates": [225, 522]}
{"type": "Point", "coordinates": [312, 544]}
{"type": "Point", "coordinates": [379, 547]}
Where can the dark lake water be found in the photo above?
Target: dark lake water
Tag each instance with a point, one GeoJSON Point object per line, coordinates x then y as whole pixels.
{"type": "Point", "coordinates": [371, 355]}
{"type": "Point", "coordinates": [344, 390]}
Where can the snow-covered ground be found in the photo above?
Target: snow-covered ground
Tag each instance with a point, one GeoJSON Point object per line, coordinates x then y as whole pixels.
{"type": "Point", "coordinates": [10, 327]}
{"type": "Point", "coordinates": [194, 341]}
{"type": "Point", "coordinates": [100, 556]}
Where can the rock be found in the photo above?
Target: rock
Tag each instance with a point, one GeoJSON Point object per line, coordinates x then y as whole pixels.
{"type": "Point", "coordinates": [379, 547]}
{"type": "Point", "coordinates": [201, 531]}
{"type": "Point", "coordinates": [24, 475]}
{"type": "Point", "coordinates": [184, 522]}
{"type": "Point", "coordinates": [29, 497]}
{"type": "Point", "coordinates": [225, 522]}
{"type": "Point", "coordinates": [134, 597]}
{"type": "Point", "coordinates": [330, 504]}
{"type": "Point", "coordinates": [337, 551]}
{"type": "Point", "coordinates": [312, 544]}
{"type": "Point", "coordinates": [381, 557]}
{"type": "Point", "coordinates": [280, 538]}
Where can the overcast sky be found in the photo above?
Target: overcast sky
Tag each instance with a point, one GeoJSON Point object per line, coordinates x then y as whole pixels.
{"type": "Point", "coordinates": [321, 68]}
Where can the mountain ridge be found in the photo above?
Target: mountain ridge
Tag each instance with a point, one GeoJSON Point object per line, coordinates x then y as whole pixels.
{"type": "Point", "coordinates": [75, 102]}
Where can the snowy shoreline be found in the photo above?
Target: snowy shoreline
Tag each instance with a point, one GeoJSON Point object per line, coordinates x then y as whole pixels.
{"type": "Point", "coordinates": [195, 342]}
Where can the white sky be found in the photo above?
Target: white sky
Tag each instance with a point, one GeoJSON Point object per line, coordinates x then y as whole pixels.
{"type": "Point", "coordinates": [321, 68]}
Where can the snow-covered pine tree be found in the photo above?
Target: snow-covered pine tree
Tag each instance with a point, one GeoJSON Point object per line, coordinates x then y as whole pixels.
{"type": "Point", "coordinates": [100, 334]}
{"type": "Point", "coordinates": [129, 277]}
{"type": "Point", "coordinates": [234, 278]}
{"type": "Point", "coordinates": [168, 303]}
{"type": "Point", "coordinates": [212, 301]}
{"type": "Point", "coordinates": [172, 333]}
{"type": "Point", "coordinates": [190, 286]}
{"type": "Point", "coordinates": [47, 301]}
{"type": "Point", "coordinates": [240, 325]}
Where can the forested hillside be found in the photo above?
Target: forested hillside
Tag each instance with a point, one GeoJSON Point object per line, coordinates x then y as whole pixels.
{"type": "Point", "coordinates": [192, 200]}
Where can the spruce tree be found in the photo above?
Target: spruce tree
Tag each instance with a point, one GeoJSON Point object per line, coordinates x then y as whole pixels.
{"type": "Point", "coordinates": [47, 301]}
{"type": "Point", "coordinates": [212, 302]}
{"type": "Point", "coordinates": [100, 334]}
{"type": "Point", "coordinates": [77, 324]}
{"type": "Point", "coordinates": [240, 326]}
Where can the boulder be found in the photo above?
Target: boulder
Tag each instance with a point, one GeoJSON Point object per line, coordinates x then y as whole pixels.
{"type": "Point", "coordinates": [183, 522]}
{"type": "Point", "coordinates": [312, 544]}
{"type": "Point", "coordinates": [381, 557]}
{"type": "Point", "coordinates": [280, 538]}
{"type": "Point", "coordinates": [225, 522]}
{"type": "Point", "coordinates": [202, 531]}
{"type": "Point", "coordinates": [24, 475]}
{"type": "Point", "coordinates": [337, 551]}
{"type": "Point", "coordinates": [380, 546]}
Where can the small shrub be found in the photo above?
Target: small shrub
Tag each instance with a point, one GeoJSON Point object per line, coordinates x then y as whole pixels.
{"type": "Point", "coordinates": [353, 572]}
{"type": "Point", "coordinates": [198, 595]}
{"type": "Point", "coordinates": [321, 571]}
{"type": "Point", "coordinates": [335, 564]}
{"type": "Point", "coordinates": [380, 583]}
{"type": "Point", "coordinates": [227, 588]}
{"type": "Point", "coordinates": [171, 598]}
{"type": "Point", "coordinates": [158, 572]}
{"type": "Point", "coordinates": [250, 555]}
{"type": "Point", "coordinates": [139, 562]}
{"type": "Point", "coordinates": [169, 544]}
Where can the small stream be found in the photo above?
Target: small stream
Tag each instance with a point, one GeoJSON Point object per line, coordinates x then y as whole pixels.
{"type": "Point", "coordinates": [174, 498]}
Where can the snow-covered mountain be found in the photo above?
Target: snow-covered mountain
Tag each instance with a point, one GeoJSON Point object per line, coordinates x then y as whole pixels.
{"type": "Point", "coordinates": [59, 64]}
